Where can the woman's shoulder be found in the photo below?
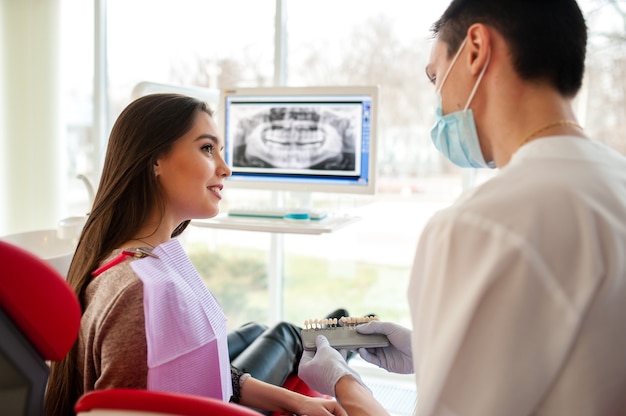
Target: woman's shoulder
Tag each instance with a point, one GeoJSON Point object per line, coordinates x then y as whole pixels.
{"type": "Point", "coordinates": [116, 280]}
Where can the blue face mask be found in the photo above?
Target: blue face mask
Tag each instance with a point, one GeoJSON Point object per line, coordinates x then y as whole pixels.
{"type": "Point", "coordinates": [455, 134]}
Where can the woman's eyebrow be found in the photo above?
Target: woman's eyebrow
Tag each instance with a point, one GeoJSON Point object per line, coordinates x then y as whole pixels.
{"type": "Point", "coordinates": [208, 136]}
{"type": "Point", "coordinates": [216, 140]}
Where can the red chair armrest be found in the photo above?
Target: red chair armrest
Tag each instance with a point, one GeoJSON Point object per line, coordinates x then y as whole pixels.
{"type": "Point", "coordinates": [158, 402]}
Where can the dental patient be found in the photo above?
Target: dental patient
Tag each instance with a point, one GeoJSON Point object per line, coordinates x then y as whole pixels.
{"type": "Point", "coordinates": [148, 321]}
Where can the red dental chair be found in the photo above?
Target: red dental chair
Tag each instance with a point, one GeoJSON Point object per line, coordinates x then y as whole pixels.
{"type": "Point", "coordinates": [39, 320]}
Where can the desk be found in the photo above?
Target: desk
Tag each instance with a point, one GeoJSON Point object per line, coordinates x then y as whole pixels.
{"type": "Point", "coordinates": [277, 225]}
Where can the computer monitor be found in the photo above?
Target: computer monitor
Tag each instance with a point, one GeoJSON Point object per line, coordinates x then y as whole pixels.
{"type": "Point", "coordinates": [305, 139]}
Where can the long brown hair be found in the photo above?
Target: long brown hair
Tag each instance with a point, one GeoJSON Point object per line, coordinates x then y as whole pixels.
{"type": "Point", "coordinates": [128, 191]}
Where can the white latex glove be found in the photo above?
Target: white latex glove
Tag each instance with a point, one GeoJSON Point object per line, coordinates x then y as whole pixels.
{"type": "Point", "coordinates": [397, 357]}
{"type": "Point", "coordinates": [323, 368]}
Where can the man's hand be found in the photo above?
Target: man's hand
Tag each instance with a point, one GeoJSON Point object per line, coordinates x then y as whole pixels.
{"type": "Point", "coordinates": [397, 357]}
{"type": "Point", "coordinates": [322, 369]}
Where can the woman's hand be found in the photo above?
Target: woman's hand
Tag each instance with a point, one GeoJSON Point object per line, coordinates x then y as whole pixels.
{"type": "Point", "coordinates": [315, 406]}
{"type": "Point", "coordinates": [260, 395]}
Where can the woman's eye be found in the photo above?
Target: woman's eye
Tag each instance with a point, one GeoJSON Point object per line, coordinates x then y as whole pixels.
{"type": "Point", "coordinates": [208, 148]}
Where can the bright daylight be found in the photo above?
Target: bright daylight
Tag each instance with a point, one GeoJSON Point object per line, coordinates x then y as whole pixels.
{"type": "Point", "coordinates": [342, 207]}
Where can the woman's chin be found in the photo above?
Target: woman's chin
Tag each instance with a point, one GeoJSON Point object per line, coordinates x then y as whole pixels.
{"type": "Point", "coordinates": [205, 214]}
{"type": "Point", "coordinates": [212, 213]}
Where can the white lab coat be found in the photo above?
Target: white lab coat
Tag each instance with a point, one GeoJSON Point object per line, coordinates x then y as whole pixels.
{"type": "Point", "coordinates": [518, 292]}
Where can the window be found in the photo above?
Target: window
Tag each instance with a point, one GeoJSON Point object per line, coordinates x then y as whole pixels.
{"type": "Point", "coordinates": [365, 267]}
{"type": "Point", "coordinates": [81, 152]}
{"type": "Point", "coordinates": [216, 44]}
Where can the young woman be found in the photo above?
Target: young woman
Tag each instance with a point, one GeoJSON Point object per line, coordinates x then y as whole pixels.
{"type": "Point", "coordinates": [163, 167]}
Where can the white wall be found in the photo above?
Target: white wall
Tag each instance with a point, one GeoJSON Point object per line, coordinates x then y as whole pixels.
{"type": "Point", "coordinates": [31, 147]}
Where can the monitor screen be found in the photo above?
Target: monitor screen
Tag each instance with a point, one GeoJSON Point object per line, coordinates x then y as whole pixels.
{"type": "Point", "coordinates": [309, 139]}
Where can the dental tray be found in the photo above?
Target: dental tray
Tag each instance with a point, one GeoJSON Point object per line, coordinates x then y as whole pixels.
{"type": "Point", "coordinates": [341, 334]}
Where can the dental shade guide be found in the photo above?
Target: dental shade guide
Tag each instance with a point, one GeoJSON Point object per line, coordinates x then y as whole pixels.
{"type": "Point", "coordinates": [341, 333]}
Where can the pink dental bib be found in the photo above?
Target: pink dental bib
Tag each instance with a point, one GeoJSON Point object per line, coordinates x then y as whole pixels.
{"type": "Point", "coordinates": [185, 327]}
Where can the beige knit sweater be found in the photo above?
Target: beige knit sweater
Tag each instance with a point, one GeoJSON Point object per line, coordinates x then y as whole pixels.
{"type": "Point", "coordinates": [112, 348]}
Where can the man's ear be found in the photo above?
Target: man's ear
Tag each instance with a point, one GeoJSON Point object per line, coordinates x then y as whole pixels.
{"type": "Point", "coordinates": [479, 46]}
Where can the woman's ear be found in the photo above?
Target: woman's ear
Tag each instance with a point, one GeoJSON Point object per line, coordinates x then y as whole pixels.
{"type": "Point", "coordinates": [156, 168]}
{"type": "Point", "coordinates": [479, 45]}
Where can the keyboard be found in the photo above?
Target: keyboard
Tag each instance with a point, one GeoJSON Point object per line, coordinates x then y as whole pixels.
{"type": "Point", "coordinates": [277, 213]}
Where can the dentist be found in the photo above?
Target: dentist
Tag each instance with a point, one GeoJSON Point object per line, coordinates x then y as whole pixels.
{"type": "Point", "coordinates": [518, 289]}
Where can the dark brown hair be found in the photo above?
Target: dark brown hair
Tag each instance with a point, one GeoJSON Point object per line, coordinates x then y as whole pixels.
{"type": "Point", "coordinates": [128, 191]}
{"type": "Point", "coordinates": [547, 38]}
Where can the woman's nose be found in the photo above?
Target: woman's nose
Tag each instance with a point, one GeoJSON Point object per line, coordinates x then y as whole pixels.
{"type": "Point", "coordinates": [224, 171]}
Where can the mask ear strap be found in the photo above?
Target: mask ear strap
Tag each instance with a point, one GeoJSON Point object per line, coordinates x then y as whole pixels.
{"type": "Point", "coordinates": [480, 77]}
{"type": "Point", "coordinates": [445, 76]}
